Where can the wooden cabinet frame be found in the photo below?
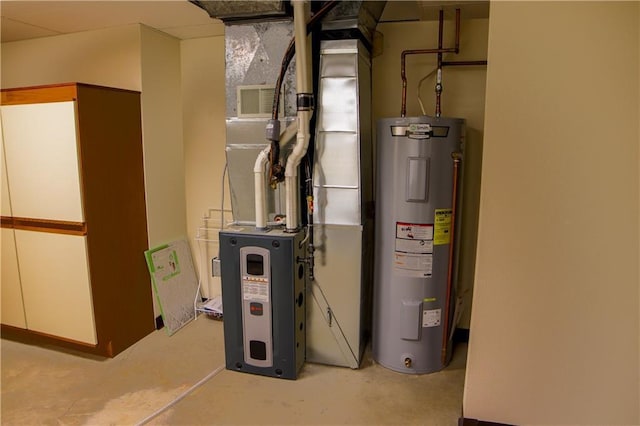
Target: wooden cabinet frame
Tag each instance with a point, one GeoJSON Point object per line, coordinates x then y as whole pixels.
{"type": "Point", "coordinates": [109, 138]}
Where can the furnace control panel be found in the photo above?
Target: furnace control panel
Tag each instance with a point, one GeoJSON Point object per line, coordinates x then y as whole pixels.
{"type": "Point", "coordinates": [255, 267]}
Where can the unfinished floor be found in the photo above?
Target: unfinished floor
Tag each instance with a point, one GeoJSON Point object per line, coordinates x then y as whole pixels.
{"type": "Point", "coordinates": [44, 386]}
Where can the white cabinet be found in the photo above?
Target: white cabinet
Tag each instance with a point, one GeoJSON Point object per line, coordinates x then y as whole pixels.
{"type": "Point", "coordinates": [12, 312]}
{"type": "Point", "coordinates": [74, 227]}
{"type": "Point", "coordinates": [42, 154]}
{"type": "Point", "coordinates": [55, 282]}
{"type": "Point", "coordinates": [45, 280]}
{"type": "Point", "coordinates": [12, 306]}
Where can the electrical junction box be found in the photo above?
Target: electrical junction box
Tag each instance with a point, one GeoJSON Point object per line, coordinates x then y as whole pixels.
{"type": "Point", "coordinates": [263, 296]}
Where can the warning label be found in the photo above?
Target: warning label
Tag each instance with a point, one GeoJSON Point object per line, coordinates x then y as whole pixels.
{"type": "Point", "coordinates": [414, 249]}
{"type": "Point", "coordinates": [431, 317]}
{"type": "Point", "coordinates": [414, 246]}
{"type": "Point", "coordinates": [442, 232]}
{"type": "Point", "coordinates": [413, 265]}
{"type": "Point", "coordinates": [414, 231]}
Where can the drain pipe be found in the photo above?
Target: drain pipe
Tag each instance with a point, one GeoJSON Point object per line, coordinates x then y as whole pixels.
{"type": "Point", "coordinates": [259, 174]}
{"type": "Point", "coordinates": [305, 110]}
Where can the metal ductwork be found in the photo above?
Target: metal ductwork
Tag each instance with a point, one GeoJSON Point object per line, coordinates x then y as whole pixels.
{"type": "Point", "coordinates": [245, 11]}
{"type": "Point", "coordinates": [353, 19]}
{"type": "Point", "coordinates": [257, 33]}
{"type": "Point", "coordinates": [347, 17]}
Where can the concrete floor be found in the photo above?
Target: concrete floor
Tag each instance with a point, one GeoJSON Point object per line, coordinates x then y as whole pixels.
{"type": "Point", "coordinates": [47, 387]}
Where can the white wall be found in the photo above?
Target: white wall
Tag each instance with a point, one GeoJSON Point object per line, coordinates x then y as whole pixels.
{"type": "Point", "coordinates": [203, 91]}
{"type": "Point", "coordinates": [555, 325]}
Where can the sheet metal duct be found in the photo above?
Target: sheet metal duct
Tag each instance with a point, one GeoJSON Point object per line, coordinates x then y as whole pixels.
{"type": "Point", "coordinates": [339, 301]}
{"type": "Point", "coordinates": [237, 11]}
{"type": "Point", "coordinates": [253, 54]}
{"type": "Point", "coordinates": [353, 19]}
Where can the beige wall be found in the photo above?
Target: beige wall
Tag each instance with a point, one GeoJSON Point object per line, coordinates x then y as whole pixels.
{"type": "Point", "coordinates": [162, 128]}
{"type": "Point", "coordinates": [555, 314]}
{"type": "Point", "coordinates": [131, 57]}
{"type": "Point", "coordinates": [109, 57]}
{"type": "Point", "coordinates": [203, 91]}
{"type": "Point", "coordinates": [463, 96]}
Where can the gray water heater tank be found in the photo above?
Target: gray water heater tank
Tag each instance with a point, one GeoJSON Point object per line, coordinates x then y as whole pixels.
{"type": "Point", "coordinates": [414, 223]}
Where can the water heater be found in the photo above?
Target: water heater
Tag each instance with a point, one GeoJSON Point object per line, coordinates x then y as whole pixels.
{"type": "Point", "coordinates": [417, 182]}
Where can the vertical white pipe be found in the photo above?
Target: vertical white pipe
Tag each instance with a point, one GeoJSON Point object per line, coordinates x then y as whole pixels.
{"type": "Point", "coordinates": [303, 85]}
{"type": "Point", "coordinates": [258, 183]}
{"type": "Point", "coordinates": [259, 175]}
{"type": "Point", "coordinates": [301, 12]}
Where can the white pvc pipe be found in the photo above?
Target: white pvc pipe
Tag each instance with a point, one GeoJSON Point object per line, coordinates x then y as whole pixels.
{"type": "Point", "coordinates": [258, 184]}
{"type": "Point", "coordinates": [287, 135]}
{"type": "Point", "coordinates": [291, 170]}
{"type": "Point", "coordinates": [303, 85]}
{"type": "Point", "coordinates": [259, 175]}
{"type": "Point", "coordinates": [303, 46]}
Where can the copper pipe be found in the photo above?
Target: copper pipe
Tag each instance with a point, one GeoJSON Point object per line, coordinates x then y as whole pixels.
{"type": "Point", "coordinates": [454, 195]}
{"type": "Point", "coordinates": [439, 63]}
{"type": "Point", "coordinates": [403, 72]}
{"type": "Point", "coordinates": [440, 29]}
{"type": "Point", "coordinates": [405, 53]}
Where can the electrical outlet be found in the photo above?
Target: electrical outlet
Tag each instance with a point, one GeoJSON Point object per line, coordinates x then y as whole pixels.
{"type": "Point", "coordinates": [215, 267]}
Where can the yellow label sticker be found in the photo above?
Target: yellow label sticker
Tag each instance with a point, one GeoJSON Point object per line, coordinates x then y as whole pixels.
{"type": "Point", "coordinates": [442, 227]}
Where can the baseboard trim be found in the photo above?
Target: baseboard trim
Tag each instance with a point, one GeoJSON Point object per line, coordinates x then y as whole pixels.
{"type": "Point", "coordinates": [463, 421]}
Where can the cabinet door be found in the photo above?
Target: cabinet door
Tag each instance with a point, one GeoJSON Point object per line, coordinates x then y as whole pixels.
{"type": "Point", "coordinates": [5, 204]}
{"type": "Point", "coordinates": [42, 161]}
{"type": "Point", "coordinates": [12, 308]}
{"type": "Point", "coordinates": [55, 285]}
